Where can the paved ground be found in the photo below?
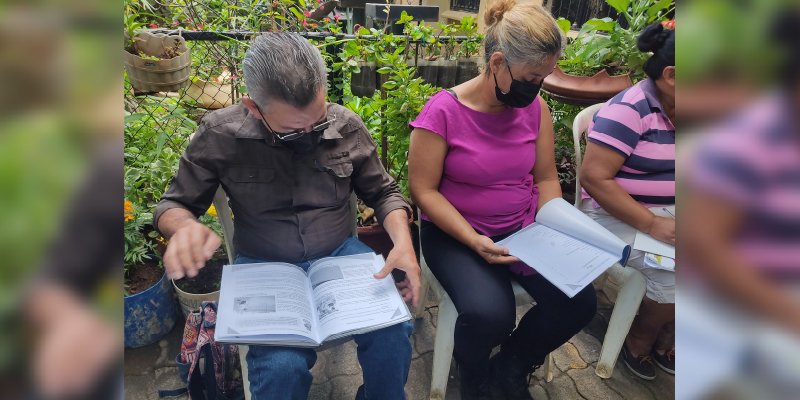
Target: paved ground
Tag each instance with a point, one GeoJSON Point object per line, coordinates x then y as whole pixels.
{"type": "Point", "coordinates": [337, 374]}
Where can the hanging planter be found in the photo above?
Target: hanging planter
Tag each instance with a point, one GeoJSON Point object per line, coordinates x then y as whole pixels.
{"type": "Point", "coordinates": [157, 62]}
{"type": "Point", "coordinates": [149, 314]}
{"type": "Point", "coordinates": [584, 90]}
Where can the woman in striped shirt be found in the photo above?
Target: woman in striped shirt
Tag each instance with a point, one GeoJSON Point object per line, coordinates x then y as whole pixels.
{"type": "Point", "coordinates": [628, 177]}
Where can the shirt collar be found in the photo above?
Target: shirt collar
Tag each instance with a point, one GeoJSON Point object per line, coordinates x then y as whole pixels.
{"type": "Point", "coordinates": [650, 91]}
{"type": "Point", "coordinates": [253, 128]}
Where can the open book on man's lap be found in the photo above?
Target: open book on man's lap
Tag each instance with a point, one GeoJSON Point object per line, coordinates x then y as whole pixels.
{"type": "Point", "coordinates": [280, 304]}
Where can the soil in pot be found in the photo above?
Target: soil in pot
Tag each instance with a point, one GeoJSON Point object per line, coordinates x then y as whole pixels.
{"type": "Point", "coordinates": [141, 277]}
{"type": "Point", "coordinates": [206, 281]}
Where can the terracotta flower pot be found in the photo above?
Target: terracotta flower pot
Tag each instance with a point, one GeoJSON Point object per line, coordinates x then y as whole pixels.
{"type": "Point", "coordinates": [584, 90]}
{"type": "Point", "coordinates": [209, 94]}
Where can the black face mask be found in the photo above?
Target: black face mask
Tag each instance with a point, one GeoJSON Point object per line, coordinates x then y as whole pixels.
{"type": "Point", "coordinates": [521, 94]}
{"type": "Point", "coordinates": [304, 144]}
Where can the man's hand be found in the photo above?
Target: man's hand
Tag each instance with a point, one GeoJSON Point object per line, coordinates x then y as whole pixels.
{"type": "Point", "coordinates": [403, 258]}
{"type": "Point", "coordinates": [663, 229]}
{"type": "Point", "coordinates": [189, 248]}
{"type": "Point", "coordinates": [490, 251]}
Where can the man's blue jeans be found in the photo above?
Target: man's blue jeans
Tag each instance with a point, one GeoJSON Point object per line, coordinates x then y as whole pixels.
{"type": "Point", "coordinates": [277, 373]}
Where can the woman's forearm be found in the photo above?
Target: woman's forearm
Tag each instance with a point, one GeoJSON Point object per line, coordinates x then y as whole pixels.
{"type": "Point", "coordinates": [549, 189]}
{"type": "Point", "coordinates": [442, 213]}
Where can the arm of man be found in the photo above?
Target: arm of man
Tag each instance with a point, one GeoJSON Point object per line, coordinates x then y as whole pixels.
{"type": "Point", "coordinates": [373, 185]}
{"type": "Point", "coordinates": [191, 243]}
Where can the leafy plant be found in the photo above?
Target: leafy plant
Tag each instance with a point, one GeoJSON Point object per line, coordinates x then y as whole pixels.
{"type": "Point", "coordinates": [151, 160]}
{"type": "Point", "coordinates": [471, 46]}
{"type": "Point", "coordinates": [603, 43]}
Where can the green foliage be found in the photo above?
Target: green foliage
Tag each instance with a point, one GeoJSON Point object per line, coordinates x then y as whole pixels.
{"type": "Point", "coordinates": [469, 28]}
{"type": "Point", "coordinates": [154, 138]}
{"type": "Point", "coordinates": [603, 43]}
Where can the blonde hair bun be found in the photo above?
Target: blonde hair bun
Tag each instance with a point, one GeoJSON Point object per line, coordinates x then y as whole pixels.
{"type": "Point", "coordinates": [496, 11]}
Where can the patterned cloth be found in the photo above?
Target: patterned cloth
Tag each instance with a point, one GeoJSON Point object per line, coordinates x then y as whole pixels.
{"type": "Point", "coordinates": [633, 124]}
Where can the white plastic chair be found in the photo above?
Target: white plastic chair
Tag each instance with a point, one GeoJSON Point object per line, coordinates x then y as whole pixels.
{"type": "Point", "coordinates": [632, 282]}
{"type": "Point", "coordinates": [445, 327]}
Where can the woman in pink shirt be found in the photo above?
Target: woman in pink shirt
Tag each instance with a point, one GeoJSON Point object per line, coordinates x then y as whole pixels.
{"type": "Point", "coordinates": [481, 162]}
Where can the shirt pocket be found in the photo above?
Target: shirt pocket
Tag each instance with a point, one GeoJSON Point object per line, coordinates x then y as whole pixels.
{"type": "Point", "coordinates": [328, 184]}
{"type": "Point", "coordinates": [258, 186]}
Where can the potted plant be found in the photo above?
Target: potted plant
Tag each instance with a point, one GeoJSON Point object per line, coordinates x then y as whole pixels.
{"type": "Point", "coordinates": [149, 301]}
{"type": "Point", "coordinates": [155, 61]}
{"type": "Point", "coordinates": [448, 66]}
{"type": "Point", "coordinates": [150, 163]}
{"type": "Point", "coordinates": [603, 59]}
{"type": "Point", "coordinates": [359, 58]}
{"type": "Point", "coordinates": [468, 50]}
{"type": "Point", "coordinates": [404, 94]}
{"type": "Point", "coordinates": [194, 291]}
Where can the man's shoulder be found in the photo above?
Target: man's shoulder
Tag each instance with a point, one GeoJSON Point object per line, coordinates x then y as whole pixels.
{"type": "Point", "coordinates": [226, 119]}
{"type": "Point", "coordinates": [347, 121]}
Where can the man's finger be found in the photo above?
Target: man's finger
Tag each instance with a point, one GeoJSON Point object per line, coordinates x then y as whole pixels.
{"type": "Point", "coordinates": [171, 263]}
{"type": "Point", "coordinates": [196, 242]}
{"type": "Point", "coordinates": [211, 245]}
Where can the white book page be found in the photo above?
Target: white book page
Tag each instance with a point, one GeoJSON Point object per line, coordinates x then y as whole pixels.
{"type": "Point", "coordinates": [347, 297]}
{"type": "Point", "coordinates": [650, 244]}
{"type": "Point", "coordinates": [565, 218]}
{"type": "Point", "coordinates": [566, 262]}
{"type": "Point", "coordinates": [264, 299]}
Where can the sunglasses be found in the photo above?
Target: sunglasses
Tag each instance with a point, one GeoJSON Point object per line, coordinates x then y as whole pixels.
{"type": "Point", "coordinates": [298, 133]}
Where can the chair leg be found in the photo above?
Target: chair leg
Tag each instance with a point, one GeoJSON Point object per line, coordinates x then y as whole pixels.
{"type": "Point", "coordinates": [443, 347]}
{"type": "Point", "coordinates": [625, 308]}
{"type": "Point", "coordinates": [243, 349]}
{"type": "Point", "coordinates": [423, 297]}
{"type": "Point", "coordinates": [548, 368]}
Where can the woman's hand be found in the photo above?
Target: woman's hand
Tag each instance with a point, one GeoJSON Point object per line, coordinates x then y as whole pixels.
{"type": "Point", "coordinates": [490, 251]}
{"type": "Point", "coordinates": [663, 229]}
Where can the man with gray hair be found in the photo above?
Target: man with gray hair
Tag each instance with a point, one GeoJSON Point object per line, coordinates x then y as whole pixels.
{"type": "Point", "coordinates": [289, 162]}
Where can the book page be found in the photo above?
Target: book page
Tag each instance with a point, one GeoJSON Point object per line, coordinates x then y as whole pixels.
{"type": "Point", "coordinates": [348, 298]}
{"type": "Point", "coordinates": [566, 262]}
{"type": "Point", "coordinates": [650, 244]}
{"type": "Point", "coordinates": [264, 299]}
{"type": "Point", "coordinates": [565, 218]}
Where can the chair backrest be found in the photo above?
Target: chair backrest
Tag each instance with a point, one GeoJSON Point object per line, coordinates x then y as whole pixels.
{"type": "Point", "coordinates": [579, 127]}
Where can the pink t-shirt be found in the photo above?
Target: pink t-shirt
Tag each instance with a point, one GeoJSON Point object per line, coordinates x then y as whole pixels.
{"type": "Point", "coordinates": [490, 156]}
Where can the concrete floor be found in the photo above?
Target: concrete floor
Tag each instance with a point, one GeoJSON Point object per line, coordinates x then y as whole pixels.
{"type": "Point", "coordinates": [337, 374]}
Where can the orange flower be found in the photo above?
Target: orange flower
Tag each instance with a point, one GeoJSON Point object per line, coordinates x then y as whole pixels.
{"type": "Point", "coordinates": [128, 208]}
